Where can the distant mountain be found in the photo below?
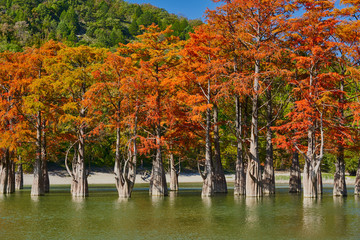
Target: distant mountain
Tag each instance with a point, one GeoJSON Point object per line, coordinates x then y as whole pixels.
{"type": "Point", "coordinates": [81, 22]}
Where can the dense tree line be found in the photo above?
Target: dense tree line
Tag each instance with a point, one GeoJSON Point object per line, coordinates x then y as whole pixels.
{"type": "Point", "coordinates": [255, 84]}
{"type": "Point", "coordinates": [81, 22]}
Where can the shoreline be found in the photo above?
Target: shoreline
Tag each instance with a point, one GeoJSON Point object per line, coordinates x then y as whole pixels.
{"type": "Point", "coordinates": [98, 178]}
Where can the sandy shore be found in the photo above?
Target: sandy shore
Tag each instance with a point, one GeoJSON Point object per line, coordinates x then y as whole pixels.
{"type": "Point", "coordinates": [62, 178]}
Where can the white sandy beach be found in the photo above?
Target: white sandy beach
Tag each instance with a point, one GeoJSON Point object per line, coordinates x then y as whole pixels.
{"type": "Point", "coordinates": [62, 178]}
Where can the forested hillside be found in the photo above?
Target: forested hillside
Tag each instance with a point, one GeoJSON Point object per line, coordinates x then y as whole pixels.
{"type": "Point", "coordinates": [81, 22]}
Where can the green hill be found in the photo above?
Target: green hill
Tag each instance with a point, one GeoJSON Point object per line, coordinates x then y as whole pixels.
{"type": "Point", "coordinates": [88, 22]}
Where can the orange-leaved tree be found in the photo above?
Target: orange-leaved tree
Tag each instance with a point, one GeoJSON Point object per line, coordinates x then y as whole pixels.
{"type": "Point", "coordinates": [72, 78]}
{"type": "Point", "coordinates": [155, 54]}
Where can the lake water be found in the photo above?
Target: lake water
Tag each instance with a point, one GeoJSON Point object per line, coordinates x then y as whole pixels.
{"type": "Point", "coordinates": [182, 216]}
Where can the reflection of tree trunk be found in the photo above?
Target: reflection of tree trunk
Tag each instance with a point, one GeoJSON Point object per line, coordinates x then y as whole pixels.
{"type": "Point", "coordinates": [253, 173]}
{"type": "Point", "coordinates": [269, 175]}
{"type": "Point", "coordinates": [219, 176]}
{"type": "Point", "coordinates": [174, 183]}
{"type": "Point", "coordinates": [239, 185]}
{"type": "Point", "coordinates": [45, 172]}
{"type": "Point", "coordinates": [19, 178]}
{"type": "Point", "coordinates": [37, 188]}
{"type": "Point", "coordinates": [295, 174]}
{"type": "Point", "coordinates": [357, 180]}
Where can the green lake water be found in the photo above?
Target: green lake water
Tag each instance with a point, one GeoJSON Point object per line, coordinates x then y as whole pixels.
{"type": "Point", "coordinates": [182, 216]}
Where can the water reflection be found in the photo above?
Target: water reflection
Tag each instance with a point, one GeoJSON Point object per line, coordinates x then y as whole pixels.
{"type": "Point", "coordinates": [252, 214]}
{"type": "Point", "coordinates": [207, 202]}
{"type": "Point", "coordinates": [157, 201]}
{"type": "Point", "coordinates": [339, 201]}
{"type": "Point", "coordinates": [357, 199]}
{"type": "Point", "coordinates": [312, 219]}
{"type": "Point", "coordinates": [79, 203]}
{"type": "Point", "coordinates": [172, 197]}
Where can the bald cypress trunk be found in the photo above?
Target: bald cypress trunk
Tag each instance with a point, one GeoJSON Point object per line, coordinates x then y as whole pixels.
{"type": "Point", "coordinates": [268, 181]}
{"type": "Point", "coordinates": [239, 185]}
{"type": "Point", "coordinates": [174, 183]}
{"type": "Point", "coordinates": [220, 185]}
{"type": "Point", "coordinates": [5, 169]}
{"type": "Point", "coordinates": [19, 178]}
{"type": "Point", "coordinates": [208, 186]}
{"type": "Point", "coordinates": [339, 177]}
{"type": "Point", "coordinates": [79, 186]}
{"type": "Point", "coordinates": [253, 173]}
{"type": "Point", "coordinates": [295, 174]}
{"type": "Point", "coordinates": [45, 171]}
{"type": "Point", "coordinates": [125, 172]}
{"type": "Point", "coordinates": [7, 174]}
{"type": "Point", "coordinates": [357, 180]}
{"type": "Point", "coordinates": [158, 186]}
{"type": "Point", "coordinates": [37, 188]}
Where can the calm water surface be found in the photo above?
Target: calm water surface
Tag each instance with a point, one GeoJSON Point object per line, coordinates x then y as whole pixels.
{"type": "Point", "coordinates": [182, 216]}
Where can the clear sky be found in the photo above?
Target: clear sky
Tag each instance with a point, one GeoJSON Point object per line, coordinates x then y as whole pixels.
{"type": "Point", "coordinates": [191, 9]}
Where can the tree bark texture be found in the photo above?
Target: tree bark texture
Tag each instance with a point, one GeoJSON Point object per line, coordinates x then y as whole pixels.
{"type": "Point", "coordinates": [19, 178]}
{"type": "Point", "coordinates": [312, 173]}
{"type": "Point", "coordinates": [45, 171]}
{"type": "Point", "coordinates": [37, 188]}
{"type": "Point", "coordinates": [158, 186]}
{"type": "Point", "coordinates": [295, 174]}
{"type": "Point", "coordinates": [174, 183]}
{"type": "Point", "coordinates": [268, 181]}
{"type": "Point", "coordinates": [253, 172]}
{"type": "Point", "coordinates": [239, 185]}
{"type": "Point", "coordinates": [125, 173]}
{"type": "Point", "coordinates": [357, 180]}
{"type": "Point", "coordinates": [7, 174]}
{"type": "Point", "coordinates": [339, 176]}
{"type": "Point", "coordinates": [220, 185]}
{"type": "Point", "coordinates": [208, 180]}
{"type": "Point", "coordinates": [79, 186]}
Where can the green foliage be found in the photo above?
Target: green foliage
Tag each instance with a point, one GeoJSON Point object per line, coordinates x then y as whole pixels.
{"type": "Point", "coordinates": [85, 22]}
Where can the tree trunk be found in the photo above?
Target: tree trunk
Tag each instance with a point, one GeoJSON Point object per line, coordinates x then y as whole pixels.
{"type": "Point", "coordinates": [219, 176]}
{"type": "Point", "coordinates": [339, 177]}
{"type": "Point", "coordinates": [269, 175]}
{"type": "Point", "coordinates": [319, 182]}
{"type": "Point", "coordinates": [357, 180]}
{"type": "Point", "coordinates": [37, 188]}
{"type": "Point", "coordinates": [239, 185]}
{"type": "Point", "coordinates": [19, 179]}
{"type": "Point", "coordinates": [45, 171]}
{"type": "Point", "coordinates": [11, 178]}
{"type": "Point", "coordinates": [295, 174]}
{"type": "Point", "coordinates": [253, 173]}
{"type": "Point", "coordinates": [310, 175]}
{"type": "Point", "coordinates": [174, 183]}
{"type": "Point", "coordinates": [5, 165]}
{"type": "Point", "coordinates": [208, 184]}
{"type": "Point", "coordinates": [125, 175]}
{"type": "Point", "coordinates": [80, 184]}
{"type": "Point", "coordinates": [158, 185]}
{"type": "Point", "coordinates": [7, 174]}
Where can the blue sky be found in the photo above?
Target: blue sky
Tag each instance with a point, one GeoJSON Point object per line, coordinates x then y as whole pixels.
{"type": "Point", "coordinates": [191, 9]}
